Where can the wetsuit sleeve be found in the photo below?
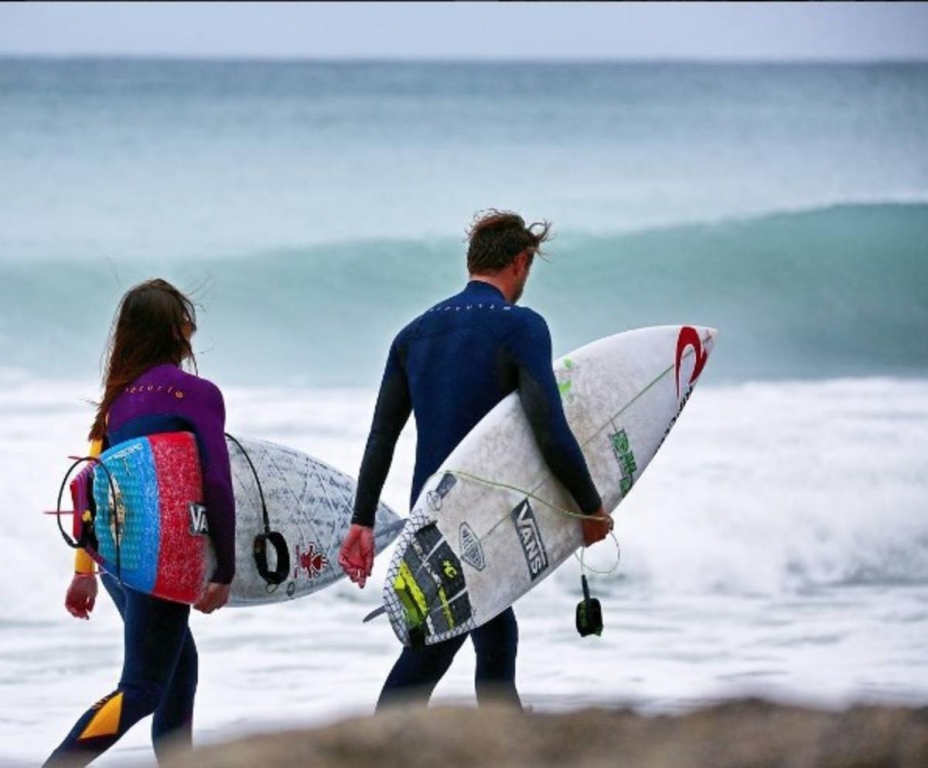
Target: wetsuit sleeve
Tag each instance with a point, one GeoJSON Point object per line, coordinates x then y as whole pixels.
{"type": "Point", "coordinates": [204, 409]}
{"type": "Point", "coordinates": [83, 563]}
{"type": "Point", "coordinates": [390, 416]}
{"type": "Point", "coordinates": [530, 345]}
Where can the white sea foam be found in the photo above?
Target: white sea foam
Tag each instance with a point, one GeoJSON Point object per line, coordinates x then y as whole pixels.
{"type": "Point", "coordinates": [775, 546]}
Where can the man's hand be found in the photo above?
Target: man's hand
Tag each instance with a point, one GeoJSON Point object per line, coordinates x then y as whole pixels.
{"type": "Point", "coordinates": [357, 554]}
{"type": "Point", "coordinates": [595, 527]}
{"type": "Point", "coordinates": [81, 595]}
{"type": "Point", "coordinates": [216, 596]}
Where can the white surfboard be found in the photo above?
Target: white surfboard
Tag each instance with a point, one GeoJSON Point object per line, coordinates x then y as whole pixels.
{"type": "Point", "coordinates": [308, 503]}
{"type": "Point", "coordinates": [493, 522]}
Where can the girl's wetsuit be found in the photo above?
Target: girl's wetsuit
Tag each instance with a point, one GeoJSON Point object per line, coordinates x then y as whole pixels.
{"type": "Point", "coordinates": [159, 675]}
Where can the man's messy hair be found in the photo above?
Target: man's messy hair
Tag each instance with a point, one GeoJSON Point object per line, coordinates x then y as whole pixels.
{"type": "Point", "coordinates": [497, 237]}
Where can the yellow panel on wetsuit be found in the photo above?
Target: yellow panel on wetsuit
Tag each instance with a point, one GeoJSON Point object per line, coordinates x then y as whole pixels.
{"type": "Point", "coordinates": [106, 721]}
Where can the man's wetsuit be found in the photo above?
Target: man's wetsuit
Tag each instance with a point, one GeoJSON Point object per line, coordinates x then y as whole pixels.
{"type": "Point", "coordinates": [451, 366]}
{"type": "Point", "coordinates": [159, 673]}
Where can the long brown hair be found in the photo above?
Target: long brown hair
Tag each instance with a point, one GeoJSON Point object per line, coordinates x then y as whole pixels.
{"type": "Point", "coordinates": [148, 330]}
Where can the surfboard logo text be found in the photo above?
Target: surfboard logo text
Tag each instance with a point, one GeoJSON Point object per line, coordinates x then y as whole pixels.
{"type": "Point", "coordinates": [471, 551]}
{"type": "Point", "coordinates": [626, 458]}
{"type": "Point", "coordinates": [198, 523]}
{"type": "Point", "coordinates": [436, 497]}
{"type": "Point", "coordinates": [689, 337]}
{"type": "Point", "coordinates": [536, 558]}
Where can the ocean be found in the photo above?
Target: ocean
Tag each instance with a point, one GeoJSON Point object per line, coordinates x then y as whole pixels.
{"type": "Point", "coordinates": [777, 546]}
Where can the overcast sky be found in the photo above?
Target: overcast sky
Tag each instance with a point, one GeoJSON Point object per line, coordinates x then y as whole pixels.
{"type": "Point", "coordinates": [728, 31]}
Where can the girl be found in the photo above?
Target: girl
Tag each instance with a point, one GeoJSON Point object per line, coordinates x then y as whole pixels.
{"type": "Point", "coordinates": [146, 392]}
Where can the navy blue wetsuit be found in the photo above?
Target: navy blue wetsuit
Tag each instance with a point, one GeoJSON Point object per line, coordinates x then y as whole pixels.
{"type": "Point", "coordinates": [451, 366]}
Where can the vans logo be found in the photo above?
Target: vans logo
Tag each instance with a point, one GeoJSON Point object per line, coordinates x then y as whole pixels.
{"type": "Point", "coordinates": [529, 537]}
{"type": "Point", "coordinates": [198, 523]}
{"type": "Point", "coordinates": [471, 551]}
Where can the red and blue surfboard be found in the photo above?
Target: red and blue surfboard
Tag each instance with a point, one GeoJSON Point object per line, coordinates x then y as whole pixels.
{"type": "Point", "coordinates": [145, 497]}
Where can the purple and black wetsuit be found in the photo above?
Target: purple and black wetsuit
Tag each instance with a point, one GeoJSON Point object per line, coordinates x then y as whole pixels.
{"type": "Point", "coordinates": [166, 399]}
{"type": "Point", "coordinates": [159, 675]}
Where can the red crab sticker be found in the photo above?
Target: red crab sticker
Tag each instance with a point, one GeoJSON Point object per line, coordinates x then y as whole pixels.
{"type": "Point", "coordinates": [313, 561]}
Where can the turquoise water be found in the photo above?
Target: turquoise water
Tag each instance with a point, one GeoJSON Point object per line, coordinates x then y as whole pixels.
{"type": "Point", "coordinates": [830, 292]}
{"type": "Point", "coordinates": [122, 159]}
{"type": "Point", "coordinates": [317, 206]}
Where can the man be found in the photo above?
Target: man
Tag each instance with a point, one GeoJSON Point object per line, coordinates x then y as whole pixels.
{"type": "Point", "coordinates": [451, 366]}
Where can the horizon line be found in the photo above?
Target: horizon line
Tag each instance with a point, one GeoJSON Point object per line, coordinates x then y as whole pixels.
{"type": "Point", "coordinates": [489, 60]}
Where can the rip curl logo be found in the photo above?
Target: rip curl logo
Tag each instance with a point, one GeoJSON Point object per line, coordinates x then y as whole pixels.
{"type": "Point", "coordinates": [689, 337]}
{"type": "Point", "coordinates": [536, 558]}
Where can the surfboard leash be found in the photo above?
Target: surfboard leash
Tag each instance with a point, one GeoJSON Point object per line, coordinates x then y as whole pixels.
{"type": "Point", "coordinates": [566, 512]}
{"type": "Point", "coordinates": [88, 538]}
{"type": "Point", "coordinates": [86, 531]}
{"type": "Point", "coordinates": [589, 613]}
{"type": "Point", "coordinates": [276, 539]}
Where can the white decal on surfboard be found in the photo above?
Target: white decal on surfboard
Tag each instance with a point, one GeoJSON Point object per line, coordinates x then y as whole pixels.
{"type": "Point", "coordinates": [116, 517]}
{"type": "Point", "coordinates": [536, 558]}
{"type": "Point", "coordinates": [471, 551]}
{"type": "Point", "coordinates": [198, 523]}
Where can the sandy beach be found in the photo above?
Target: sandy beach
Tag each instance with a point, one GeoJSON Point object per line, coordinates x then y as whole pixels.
{"type": "Point", "coordinates": [740, 734]}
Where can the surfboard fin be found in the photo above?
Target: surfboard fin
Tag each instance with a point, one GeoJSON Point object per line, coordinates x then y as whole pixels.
{"type": "Point", "coordinates": [374, 614]}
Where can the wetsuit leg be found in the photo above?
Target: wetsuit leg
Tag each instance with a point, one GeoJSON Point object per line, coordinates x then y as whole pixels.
{"type": "Point", "coordinates": [417, 672]}
{"type": "Point", "coordinates": [172, 724]}
{"type": "Point", "coordinates": [155, 633]}
{"type": "Point", "coordinates": [496, 644]}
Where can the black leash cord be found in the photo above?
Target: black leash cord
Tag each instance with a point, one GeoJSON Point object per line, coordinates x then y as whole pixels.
{"type": "Point", "coordinates": [64, 484]}
{"type": "Point", "coordinates": [82, 542]}
{"type": "Point", "coordinates": [254, 472]}
{"type": "Point", "coordinates": [276, 539]}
